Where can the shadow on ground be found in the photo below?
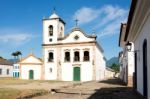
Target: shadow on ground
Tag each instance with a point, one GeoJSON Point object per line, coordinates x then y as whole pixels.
{"type": "Point", "coordinates": [115, 81]}
{"type": "Point", "coordinates": [115, 92]}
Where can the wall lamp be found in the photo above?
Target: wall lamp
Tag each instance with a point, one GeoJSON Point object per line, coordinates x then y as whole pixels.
{"type": "Point", "coordinates": [129, 46]}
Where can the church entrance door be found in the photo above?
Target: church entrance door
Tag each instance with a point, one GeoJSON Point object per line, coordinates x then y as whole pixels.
{"type": "Point", "coordinates": [76, 74]}
{"type": "Point", "coordinates": [31, 74]}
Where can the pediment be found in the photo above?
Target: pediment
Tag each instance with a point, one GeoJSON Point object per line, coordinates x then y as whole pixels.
{"type": "Point", "coordinates": [77, 35]}
{"type": "Point", "coordinates": [31, 60]}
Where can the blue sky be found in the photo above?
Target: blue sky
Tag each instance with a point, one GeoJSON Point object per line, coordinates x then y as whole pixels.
{"type": "Point", "coordinates": [21, 22]}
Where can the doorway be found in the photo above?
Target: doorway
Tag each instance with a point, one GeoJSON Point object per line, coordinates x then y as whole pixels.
{"type": "Point", "coordinates": [76, 73]}
{"type": "Point", "coordinates": [31, 74]}
{"type": "Point", "coordinates": [145, 69]}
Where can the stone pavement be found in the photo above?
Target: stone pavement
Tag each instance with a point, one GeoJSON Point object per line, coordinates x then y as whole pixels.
{"type": "Point", "coordinates": [107, 89]}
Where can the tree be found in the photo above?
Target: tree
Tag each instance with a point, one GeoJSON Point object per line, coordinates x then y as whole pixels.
{"type": "Point", "coordinates": [115, 67]}
{"type": "Point", "coordinates": [18, 54]}
{"type": "Point", "coordinates": [14, 55]}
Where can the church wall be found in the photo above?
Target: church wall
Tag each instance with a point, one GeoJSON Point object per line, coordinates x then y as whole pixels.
{"type": "Point", "coordinates": [67, 72]}
{"type": "Point", "coordinates": [25, 71]}
{"type": "Point", "coordinates": [87, 71]}
{"type": "Point", "coordinates": [50, 74]}
{"type": "Point", "coordinates": [61, 29]}
{"type": "Point", "coordinates": [100, 65]}
{"type": "Point", "coordinates": [85, 67]}
{"type": "Point", "coordinates": [144, 34]}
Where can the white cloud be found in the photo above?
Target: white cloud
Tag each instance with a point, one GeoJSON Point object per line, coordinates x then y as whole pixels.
{"type": "Point", "coordinates": [14, 37]}
{"type": "Point", "coordinates": [112, 13]}
{"type": "Point", "coordinates": [106, 20]}
{"type": "Point", "coordinates": [85, 15]}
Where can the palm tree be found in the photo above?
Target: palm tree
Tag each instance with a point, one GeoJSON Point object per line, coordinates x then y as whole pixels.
{"type": "Point", "coordinates": [18, 54]}
{"type": "Point", "coordinates": [14, 55]}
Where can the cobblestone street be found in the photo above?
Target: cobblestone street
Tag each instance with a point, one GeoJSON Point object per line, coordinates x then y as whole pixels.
{"type": "Point", "coordinates": [107, 89]}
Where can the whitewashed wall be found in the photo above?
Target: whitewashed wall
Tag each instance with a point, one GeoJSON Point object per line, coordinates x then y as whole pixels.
{"type": "Point", "coordinates": [25, 71]}
{"type": "Point", "coordinates": [144, 34]}
{"type": "Point", "coordinates": [4, 70]}
{"type": "Point", "coordinates": [86, 68]}
{"type": "Point", "coordinates": [56, 30]}
{"type": "Point", "coordinates": [100, 64]}
{"type": "Point", "coordinates": [31, 63]}
{"type": "Point", "coordinates": [53, 65]}
{"type": "Point", "coordinates": [16, 68]}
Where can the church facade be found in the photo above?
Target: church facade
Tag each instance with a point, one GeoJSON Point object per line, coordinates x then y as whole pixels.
{"type": "Point", "coordinates": [73, 57]}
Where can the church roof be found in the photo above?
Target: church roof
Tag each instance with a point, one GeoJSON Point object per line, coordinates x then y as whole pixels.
{"type": "Point", "coordinates": [54, 16]}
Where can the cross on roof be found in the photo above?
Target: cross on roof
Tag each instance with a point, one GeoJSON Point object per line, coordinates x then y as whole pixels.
{"type": "Point", "coordinates": [54, 10]}
{"type": "Point", "coordinates": [76, 22]}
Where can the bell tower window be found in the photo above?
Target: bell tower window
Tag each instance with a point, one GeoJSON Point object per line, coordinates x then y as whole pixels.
{"type": "Point", "coordinates": [50, 57]}
{"type": "Point", "coordinates": [51, 30]}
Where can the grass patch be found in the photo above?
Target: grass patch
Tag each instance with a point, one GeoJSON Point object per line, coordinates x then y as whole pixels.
{"type": "Point", "coordinates": [18, 91]}
{"type": "Point", "coordinates": [10, 93]}
{"type": "Point", "coordinates": [17, 81]}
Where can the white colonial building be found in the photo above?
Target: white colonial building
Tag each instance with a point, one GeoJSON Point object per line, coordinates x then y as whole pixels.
{"type": "Point", "coordinates": [6, 68]}
{"type": "Point", "coordinates": [31, 68]}
{"type": "Point", "coordinates": [138, 32]}
{"type": "Point", "coordinates": [126, 59]}
{"type": "Point", "coordinates": [16, 70]}
{"type": "Point", "coordinates": [73, 57]}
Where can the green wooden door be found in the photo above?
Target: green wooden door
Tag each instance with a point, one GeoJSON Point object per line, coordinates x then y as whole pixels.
{"type": "Point", "coordinates": [76, 74]}
{"type": "Point", "coordinates": [31, 74]}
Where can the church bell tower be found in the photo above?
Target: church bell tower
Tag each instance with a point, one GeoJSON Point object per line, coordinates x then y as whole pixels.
{"type": "Point", "coordinates": [53, 28]}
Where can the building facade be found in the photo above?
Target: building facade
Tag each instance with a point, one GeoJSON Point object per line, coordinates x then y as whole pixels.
{"type": "Point", "coordinates": [31, 68]}
{"type": "Point", "coordinates": [16, 70]}
{"type": "Point", "coordinates": [138, 32]}
{"type": "Point", "coordinates": [6, 68]}
{"type": "Point", "coordinates": [126, 59]}
{"type": "Point", "coordinates": [74, 57]}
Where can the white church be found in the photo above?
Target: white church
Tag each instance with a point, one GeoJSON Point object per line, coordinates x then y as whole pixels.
{"type": "Point", "coordinates": [73, 57]}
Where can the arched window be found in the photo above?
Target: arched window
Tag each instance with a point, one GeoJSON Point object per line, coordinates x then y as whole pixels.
{"type": "Point", "coordinates": [50, 57]}
{"type": "Point", "coordinates": [76, 56]}
{"type": "Point", "coordinates": [51, 30]}
{"type": "Point", "coordinates": [67, 56]}
{"type": "Point", "coordinates": [86, 56]}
